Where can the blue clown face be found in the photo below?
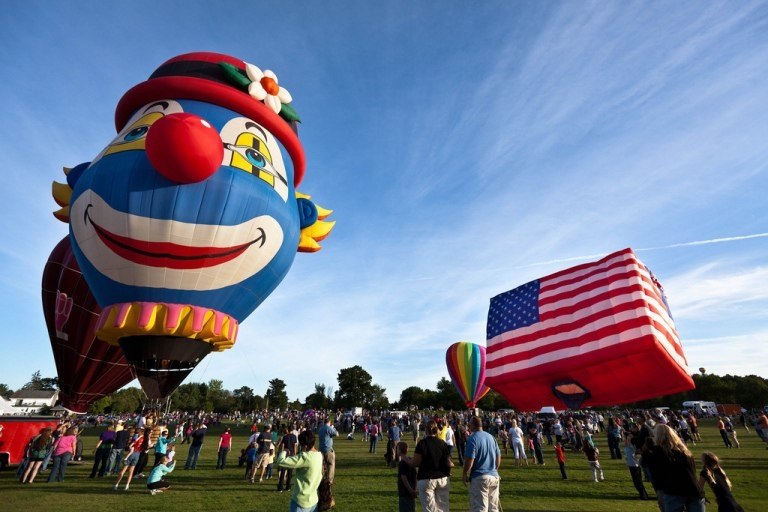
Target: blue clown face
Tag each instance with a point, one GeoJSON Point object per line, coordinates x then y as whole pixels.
{"type": "Point", "coordinates": [222, 243]}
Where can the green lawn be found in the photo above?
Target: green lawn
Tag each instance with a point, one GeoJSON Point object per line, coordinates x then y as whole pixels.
{"type": "Point", "coordinates": [363, 482]}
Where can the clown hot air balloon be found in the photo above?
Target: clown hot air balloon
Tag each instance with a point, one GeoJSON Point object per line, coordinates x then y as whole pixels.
{"type": "Point", "coordinates": [189, 218]}
{"type": "Point", "coordinates": [88, 368]}
{"type": "Point", "coordinates": [466, 366]}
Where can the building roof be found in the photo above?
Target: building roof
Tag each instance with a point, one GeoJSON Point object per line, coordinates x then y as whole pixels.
{"type": "Point", "coordinates": [34, 394]}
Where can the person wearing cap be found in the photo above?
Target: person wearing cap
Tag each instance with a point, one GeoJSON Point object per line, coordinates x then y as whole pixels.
{"type": "Point", "coordinates": [122, 438]}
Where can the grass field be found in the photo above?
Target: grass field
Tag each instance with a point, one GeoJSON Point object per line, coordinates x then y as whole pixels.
{"type": "Point", "coordinates": [364, 482]}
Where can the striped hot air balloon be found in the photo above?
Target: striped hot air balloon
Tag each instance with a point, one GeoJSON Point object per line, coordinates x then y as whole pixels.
{"type": "Point", "coordinates": [466, 366]}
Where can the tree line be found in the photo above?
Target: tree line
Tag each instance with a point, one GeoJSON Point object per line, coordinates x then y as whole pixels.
{"type": "Point", "coordinates": [355, 388]}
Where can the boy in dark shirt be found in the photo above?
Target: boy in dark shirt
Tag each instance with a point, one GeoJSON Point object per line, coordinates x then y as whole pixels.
{"type": "Point", "coordinates": [406, 480]}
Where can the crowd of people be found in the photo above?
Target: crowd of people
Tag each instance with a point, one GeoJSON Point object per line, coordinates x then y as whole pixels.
{"type": "Point", "coordinates": [653, 444]}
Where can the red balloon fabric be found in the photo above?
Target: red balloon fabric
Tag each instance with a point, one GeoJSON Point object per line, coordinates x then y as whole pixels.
{"type": "Point", "coordinates": [595, 334]}
{"type": "Point", "coordinates": [88, 368]}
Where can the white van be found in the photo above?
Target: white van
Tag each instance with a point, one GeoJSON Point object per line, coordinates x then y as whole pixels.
{"type": "Point", "coordinates": [701, 408]}
{"type": "Point", "coordinates": [547, 412]}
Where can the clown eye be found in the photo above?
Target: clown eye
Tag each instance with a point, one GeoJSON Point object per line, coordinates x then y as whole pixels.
{"type": "Point", "coordinates": [136, 133]}
{"type": "Point", "coordinates": [255, 158]}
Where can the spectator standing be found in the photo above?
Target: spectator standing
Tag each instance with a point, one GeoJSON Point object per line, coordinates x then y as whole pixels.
{"type": "Point", "coordinates": [673, 472]}
{"type": "Point", "coordinates": [434, 464]}
{"type": "Point", "coordinates": [461, 441]}
{"type": "Point", "coordinates": [560, 455]}
{"type": "Point", "coordinates": [146, 444]}
{"type": "Point", "coordinates": [225, 444]}
{"type": "Point", "coordinates": [62, 453]}
{"type": "Point", "coordinates": [731, 431]}
{"type": "Point", "coordinates": [406, 480]}
{"type": "Point", "coordinates": [516, 440]}
{"type": "Point", "coordinates": [131, 461]}
{"type": "Point", "coordinates": [718, 481]}
{"type": "Point", "coordinates": [481, 468]}
{"type": "Point", "coordinates": [38, 450]}
{"type": "Point", "coordinates": [633, 464]}
{"type": "Point", "coordinates": [393, 433]}
{"type": "Point", "coordinates": [264, 446]}
{"type": "Point", "coordinates": [122, 438]}
{"type": "Point", "coordinates": [161, 445]}
{"type": "Point", "coordinates": [593, 458]}
{"type": "Point", "coordinates": [693, 423]}
{"type": "Point", "coordinates": [723, 432]}
{"type": "Point", "coordinates": [289, 444]}
{"type": "Point", "coordinates": [373, 431]}
{"type": "Point", "coordinates": [198, 437]}
{"type": "Point", "coordinates": [614, 437]}
{"type": "Point", "coordinates": [102, 451]}
{"type": "Point", "coordinates": [309, 473]}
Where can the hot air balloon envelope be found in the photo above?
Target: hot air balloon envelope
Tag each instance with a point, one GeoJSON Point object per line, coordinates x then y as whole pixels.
{"type": "Point", "coordinates": [595, 334]}
{"type": "Point", "coordinates": [88, 368]}
{"type": "Point", "coordinates": [466, 366]}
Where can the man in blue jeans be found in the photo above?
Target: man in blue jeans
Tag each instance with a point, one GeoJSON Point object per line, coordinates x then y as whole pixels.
{"type": "Point", "coordinates": [198, 436]}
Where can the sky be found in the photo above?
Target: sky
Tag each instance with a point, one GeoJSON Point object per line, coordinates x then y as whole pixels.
{"type": "Point", "coordinates": [465, 148]}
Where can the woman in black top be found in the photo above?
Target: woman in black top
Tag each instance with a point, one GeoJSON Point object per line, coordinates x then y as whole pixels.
{"type": "Point", "coordinates": [718, 481]}
{"type": "Point", "coordinates": [673, 472]}
{"type": "Point", "coordinates": [433, 477]}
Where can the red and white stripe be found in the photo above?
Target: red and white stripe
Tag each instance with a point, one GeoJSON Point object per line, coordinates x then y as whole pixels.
{"type": "Point", "coordinates": [585, 309]}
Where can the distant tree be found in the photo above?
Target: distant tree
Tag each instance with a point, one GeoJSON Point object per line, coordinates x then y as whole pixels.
{"type": "Point", "coordinates": [493, 401]}
{"type": "Point", "coordinates": [412, 395]}
{"type": "Point", "coordinates": [127, 400]}
{"type": "Point", "coordinates": [189, 397]}
{"type": "Point", "coordinates": [356, 389]}
{"type": "Point", "coordinates": [217, 398]}
{"type": "Point", "coordinates": [37, 382]}
{"type": "Point", "coordinates": [5, 391]}
{"type": "Point", "coordinates": [244, 399]}
{"type": "Point", "coordinates": [448, 397]}
{"type": "Point", "coordinates": [378, 398]}
{"type": "Point", "coordinates": [319, 399]}
{"type": "Point", "coordinates": [276, 395]}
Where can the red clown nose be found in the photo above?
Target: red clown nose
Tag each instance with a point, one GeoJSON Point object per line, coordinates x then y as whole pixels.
{"type": "Point", "coordinates": [184, 148]}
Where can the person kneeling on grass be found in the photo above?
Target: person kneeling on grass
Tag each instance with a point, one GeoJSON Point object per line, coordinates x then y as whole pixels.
{"type": "Point", "coordinates": [156, 483]}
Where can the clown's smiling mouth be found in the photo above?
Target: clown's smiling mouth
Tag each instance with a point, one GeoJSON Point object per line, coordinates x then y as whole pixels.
{"type": "Point", "coordinates": [167, 254]}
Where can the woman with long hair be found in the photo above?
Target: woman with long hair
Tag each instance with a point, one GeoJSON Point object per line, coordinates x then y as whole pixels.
{"type": "Point", "coordinates": [146, 444]}
{"type": "Point", "coordinates": [37, 452]}
{"type": "Point", "coordinates": [516, 441]}
{"type": "Point", "coordinates": [718, 481]}
{"type": "Point", "coordinates": [131, 460]}
{"type": "Point", "coordinates": [673, 472]}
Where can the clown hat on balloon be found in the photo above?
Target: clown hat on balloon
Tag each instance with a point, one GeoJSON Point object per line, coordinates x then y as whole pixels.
{"type": "Point", "coordinates": [189, 218]}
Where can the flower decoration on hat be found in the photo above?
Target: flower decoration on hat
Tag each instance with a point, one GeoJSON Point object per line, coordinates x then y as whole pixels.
{"type": "Point", "coordinates": [262, 86]}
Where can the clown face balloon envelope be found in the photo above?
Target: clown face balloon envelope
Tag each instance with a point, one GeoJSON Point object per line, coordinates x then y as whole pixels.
{"type": "Point", "coordinates": [189, 218]}
{"type": "Point", "coordinates": [595, 334]}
